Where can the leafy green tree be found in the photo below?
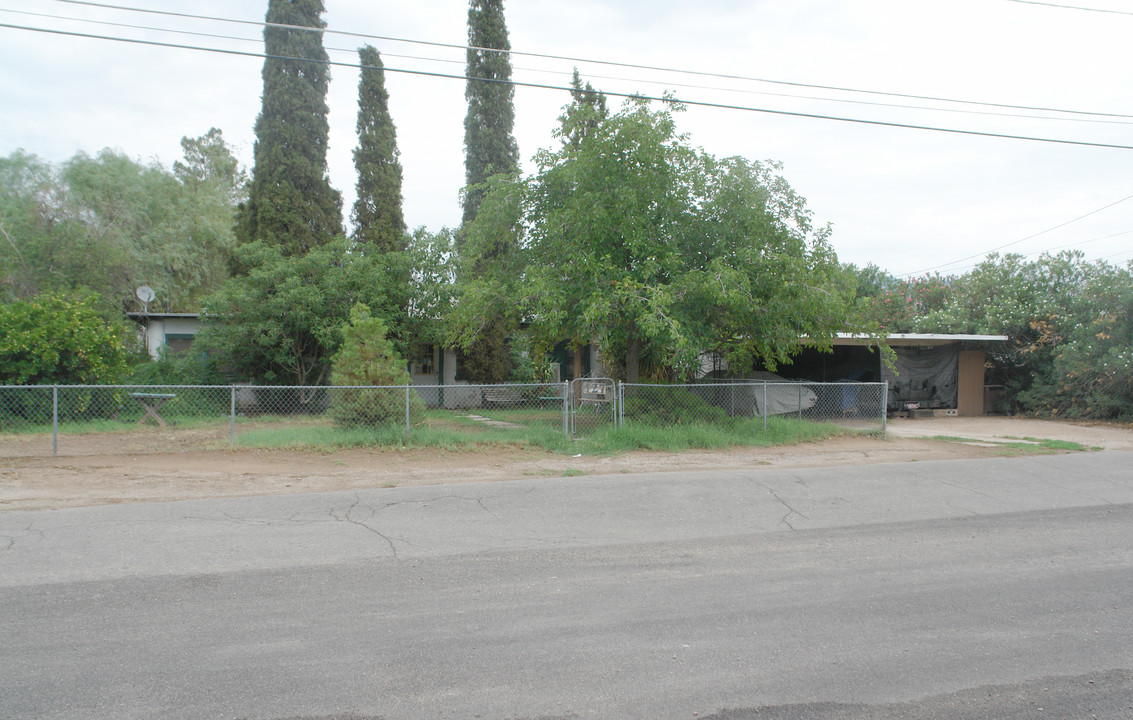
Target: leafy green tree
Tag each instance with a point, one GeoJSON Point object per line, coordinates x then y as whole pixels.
{"type": "Point", "coordinates": [54, 339]}
{"type": "Point", "coordinates": [30, 214]}
{"type": "Point", "coordinates": [657, 251]}
{"type": "Point", "coordinates": [586, 112]}
{"type": "Point", "coordinates": [367, 357]}
{"type": "Point", "coordinates": [108, 224]}
{"type": "Point", "coordinates": [379, 222]}
{"type": "Point", "coordinates": [895, 305]}
{"type": "Point", "coordinates": [209, 166]}
{"type": "Point", "coordinates": [290, 200]}
{"type": "Point", "coordinates": [1091, 367]}
{"type": "Point", "coordinates": [431, 258]}
{"type": "Point", "coordinates": [489, 147]}
{"type": "Point", "coordinates": [282, 321]}
{"type": "Point", "coordinates": [1068, 324]}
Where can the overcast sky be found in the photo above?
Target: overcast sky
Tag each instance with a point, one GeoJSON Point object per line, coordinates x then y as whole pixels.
{"type": "Point", "coordinates": [906, 200]}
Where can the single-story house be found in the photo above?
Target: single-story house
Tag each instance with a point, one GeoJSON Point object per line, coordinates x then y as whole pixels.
{"type": "Point", "coordinates": [174, 331]}
{"type": "Point", "coordinates": [932, 371]}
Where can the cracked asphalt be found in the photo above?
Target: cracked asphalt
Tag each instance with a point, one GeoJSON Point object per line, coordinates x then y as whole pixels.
{"type": "Point", "coordinates": [652, 596]}
{"type": "Point", "coordinates": [224, 535]}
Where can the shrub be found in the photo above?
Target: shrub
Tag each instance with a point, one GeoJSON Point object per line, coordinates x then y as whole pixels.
{"type": "Point", "coordinates": [58, 340]}
{"type": "Point", "coordinates": [667, 405]}
{"type": "Point", "coordinates": [191, 367]}
{"type": "Point", "coordinates": [367, 357]}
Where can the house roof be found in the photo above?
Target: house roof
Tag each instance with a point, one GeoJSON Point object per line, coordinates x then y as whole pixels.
{"type": "Point", "coordinates": [161, 315]}
{"type": "Point", "coordinates": [917, 338]}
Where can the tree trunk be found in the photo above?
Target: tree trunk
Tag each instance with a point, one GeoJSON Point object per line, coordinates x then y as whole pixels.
{"type": "Point", "coordinates": [633, 358]}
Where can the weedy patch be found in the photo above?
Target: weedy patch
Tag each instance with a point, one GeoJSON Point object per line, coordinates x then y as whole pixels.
{"type": "Point", "coordinates": [1015, 446]}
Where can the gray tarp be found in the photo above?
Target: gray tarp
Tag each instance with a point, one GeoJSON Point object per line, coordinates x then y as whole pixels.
{"type": "Point", "coordinates": [924, 375]}
{"type": "Point", "coordinates": [783, 396]}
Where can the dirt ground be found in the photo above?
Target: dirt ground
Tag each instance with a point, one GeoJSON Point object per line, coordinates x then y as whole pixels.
{"type": "Point", "coordinates": [93, 475]}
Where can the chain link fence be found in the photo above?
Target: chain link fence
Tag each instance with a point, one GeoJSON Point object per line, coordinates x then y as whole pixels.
{"type": "Point", "coordinates": [137, 419]}
{"type": "Point", "coordinates": [859, 406]}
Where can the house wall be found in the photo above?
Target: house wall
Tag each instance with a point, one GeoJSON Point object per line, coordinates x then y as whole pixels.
{"type": "Point", "coordinates": [175, 332]}
{"type": "Point", "coordinates": [155, 337]}
{"type": "Point", "coordinates": [971, 383]}
{"type": "Point", "coordinates": [453, 394]}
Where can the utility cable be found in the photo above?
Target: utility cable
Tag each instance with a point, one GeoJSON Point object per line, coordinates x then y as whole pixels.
{"type": "Point", "coordinates": [1071, 246]}
{"type": "Point", "coordinates": [663, 98]}
{"type": "Point", "coordinates": [307, 28]}
{"type": "Point", "coordinates": [216, 36]}
{"type": "Point", "coordinates": [1072, 7]}
{"type": "Point", "coordinates": [1016, 242]}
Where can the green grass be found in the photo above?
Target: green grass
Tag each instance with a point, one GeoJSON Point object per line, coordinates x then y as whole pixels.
{"type": "Point", "coordinates": [78, 427]}
{"type": "Point", "coordinates": [523, 428]}
{"type": "Point", "coordinates": [1023, 446]}
{"type": "Point", "coordinates": [449, 431]}
{"type": "Point", "coordinates": [441, 430]}
{"type": "Point", "coordinates": [704, 436]}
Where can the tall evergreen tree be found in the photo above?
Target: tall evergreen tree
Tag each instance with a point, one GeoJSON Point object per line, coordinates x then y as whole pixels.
{"type": "Point", "coordinates": [379, 222]}
{"type": "Point", "coordinates": [489, 146]}
{"type": "Point", "coordinates": [291, 204]}
{"type": "Point", "coordinates": [587, 110]}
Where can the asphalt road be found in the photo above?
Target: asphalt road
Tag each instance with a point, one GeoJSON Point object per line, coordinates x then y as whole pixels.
{"type": "Point", "coordinates": [971, 589]}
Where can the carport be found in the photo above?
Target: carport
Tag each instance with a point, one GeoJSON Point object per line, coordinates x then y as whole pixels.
{"type": "Point", "coordinates": [934, 373]}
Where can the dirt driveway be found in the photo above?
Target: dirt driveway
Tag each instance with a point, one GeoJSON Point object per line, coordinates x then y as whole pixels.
{"type": "Point", "coordinates": [35, 483]}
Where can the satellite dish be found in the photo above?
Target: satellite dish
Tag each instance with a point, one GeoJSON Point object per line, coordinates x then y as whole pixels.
{"type": "Point", "coordinates": [146, 295]}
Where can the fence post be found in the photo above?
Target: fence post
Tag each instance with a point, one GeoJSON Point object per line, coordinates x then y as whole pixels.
{"type": "Point", "coordinates": [765, 405]}
{"type": "Point", "coordinates": [566, 409]}
{"type": "Point", "coordinates": [884, 408]}
{"type": "Point", "coordinates": [407, 413]}
{"type": "Point", "coordinates": [800, 401]}
{"type": "Point", "coordinates": [54, 419]}
{"type": "Point", "coordinates": [232, 417]}
{"type": "Point", "coordinates": [621, 404]}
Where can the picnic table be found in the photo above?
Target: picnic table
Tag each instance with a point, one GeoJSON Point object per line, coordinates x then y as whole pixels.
{"type": "Point", "coordinates": [151, 403]}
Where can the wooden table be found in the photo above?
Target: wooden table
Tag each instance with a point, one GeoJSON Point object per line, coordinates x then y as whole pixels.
{"type": "Point", "coordinates": [152, 403]}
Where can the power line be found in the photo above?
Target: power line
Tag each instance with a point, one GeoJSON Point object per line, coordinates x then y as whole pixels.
{"type": "Point", "coordinates": [868, 103]}
{"type": "Point", "coordinates": [1117, 254]}
{"type": "Point", "coordinates": [665, 99]}
{"type": "Point", "coordinates": [1016, 242]}
{"type": "Point", "coordinates": [545, 56]}
{"type": "Point", "coordinates": [1072, 7]}
{"type": "Point", "coordinates": [1071, 246]}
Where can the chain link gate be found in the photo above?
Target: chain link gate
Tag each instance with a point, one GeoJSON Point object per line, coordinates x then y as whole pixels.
{"type": "Point", "coordinates": [593, 404]}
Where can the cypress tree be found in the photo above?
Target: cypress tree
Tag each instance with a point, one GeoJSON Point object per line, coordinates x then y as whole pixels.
{"type": "Point", "coordinates": [586, 112]}
{"type": "Point", "coordinates": [291, 204]}
{"type": "Point", "coordinates": [379, 222]}
{"type": "Point", "coordinates": [489, 146]}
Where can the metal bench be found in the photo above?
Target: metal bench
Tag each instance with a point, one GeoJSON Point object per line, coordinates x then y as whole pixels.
{"type": "Point", "coordinates": [502, 396]}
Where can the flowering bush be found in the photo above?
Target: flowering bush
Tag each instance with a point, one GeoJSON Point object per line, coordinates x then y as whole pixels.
{"type": "Point", "coordinates": [1070, 325]}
